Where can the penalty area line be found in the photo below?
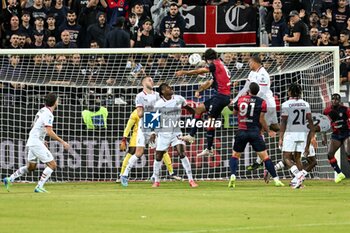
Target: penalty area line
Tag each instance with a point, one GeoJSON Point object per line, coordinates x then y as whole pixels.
{"type": "Point", "coordinates": [233, 229]}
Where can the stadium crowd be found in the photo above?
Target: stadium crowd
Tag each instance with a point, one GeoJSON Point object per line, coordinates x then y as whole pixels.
{"type": "Point", "coordinates": [159, 23]}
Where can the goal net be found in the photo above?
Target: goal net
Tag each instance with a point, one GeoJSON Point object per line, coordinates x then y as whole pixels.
{"type": "Point", "coordinates": [86, 80]}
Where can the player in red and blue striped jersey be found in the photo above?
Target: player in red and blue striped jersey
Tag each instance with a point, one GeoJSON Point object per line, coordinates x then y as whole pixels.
{"type": "Point", "coordinates": [340, 122]}
{"type": "Point", "coordinates": [251, 111]}
{"type": "Point", "coordinates": [220, 81]}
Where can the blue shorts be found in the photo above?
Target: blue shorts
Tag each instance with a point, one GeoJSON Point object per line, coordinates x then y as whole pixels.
{"type": "Point", "coordinates": [340, 137]}
{"type": "Point", "coordinates": [216, 104]}
{"type": "Point", "coordinates": [253, 137]}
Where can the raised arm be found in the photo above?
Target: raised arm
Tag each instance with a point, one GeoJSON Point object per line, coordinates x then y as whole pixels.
{"type": "Point", "coordinates": [191, 72]}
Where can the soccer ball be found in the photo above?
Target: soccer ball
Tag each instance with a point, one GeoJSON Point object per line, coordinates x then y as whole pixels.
{"type": "Point", "coordinates": [194, 59]}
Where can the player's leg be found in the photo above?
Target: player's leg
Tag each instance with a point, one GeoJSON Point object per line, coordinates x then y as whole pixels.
{"type": "Point", "coordinates": [131, 151]}
{"type": "Point", "coordinates": [347, 148]}
{"type": "Point", "coordinates": [168, 163]}
{"type": "Point", "coordinates": [238, 148]}
{"type": "Point", "coordinates": [180, 148]}
{"type": "Point", "coordinates": [31, 166]}
{"type": "Point", "coordinates": [271, 115]}
{"type": "Point", "coordinates": [259, 146]}
{"type": "Point", "coordinates": [157, 165]}
{"type": "Point", "coordinates": [216, 105]}
{"type": "Point", "coordinates": [334, 145]}
{"type": "Point", "coordinates": [201, 108]}
{"type": "Point", "coordinates": [50, 167]}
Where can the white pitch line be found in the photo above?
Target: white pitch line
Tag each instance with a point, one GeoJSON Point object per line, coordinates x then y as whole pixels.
{"type": "Point", "coordinates": [262, 227]}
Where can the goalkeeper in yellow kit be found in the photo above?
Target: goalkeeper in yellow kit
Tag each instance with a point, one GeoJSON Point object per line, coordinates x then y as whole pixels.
{"type": "Point", "coordinates": [133, 124]}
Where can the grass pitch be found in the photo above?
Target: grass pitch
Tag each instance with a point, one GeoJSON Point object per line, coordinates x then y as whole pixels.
{"type": "Point", "coordinates": [322, 206]}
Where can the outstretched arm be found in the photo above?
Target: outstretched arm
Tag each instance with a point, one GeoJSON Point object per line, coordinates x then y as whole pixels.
{"type": "Point", "coordinates": [204, 86]}
{"type": "Point", "coordinates": [191, 72]}
{"type": "Point", "coordinates": [244, 90]}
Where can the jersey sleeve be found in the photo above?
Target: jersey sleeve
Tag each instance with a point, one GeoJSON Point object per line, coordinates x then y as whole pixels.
{"type": "Point", "coordinates": [284, 111]}
{"type": "Point", "coordinates": [308, 109]}
{"type": "Point", "coordinates": [48, 120]}
{"type": "Point", "coordinates": [139, 102]}
{"type": "Point", "coordinates": [183, 101]}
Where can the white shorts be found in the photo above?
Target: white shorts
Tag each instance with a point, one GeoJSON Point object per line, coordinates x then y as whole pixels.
{"type": "Point", "coordinates": [142, 138]}
{"type": "Point", "coordinates": [293, 146]}
{"type": "Point", "coordinates": [164, 140]}
{"type": "Point", "coordinates": [39, 152]}
{"type": "Point", "coordinates": [325, 125]}
{"type": "Point", "coordinates": [271, 114]}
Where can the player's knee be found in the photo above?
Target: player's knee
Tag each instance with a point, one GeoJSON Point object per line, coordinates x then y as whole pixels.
{"type": "Point", "coordinates": [31, 167]}
{"type": "Point", "coordinates": [182, 155]}
{"type": "Point", "coordinates": [275, 127]}
{"type": "Point", "coordinates": [131, 150]}
{"type": "Point", "coordinates": [52, 165]}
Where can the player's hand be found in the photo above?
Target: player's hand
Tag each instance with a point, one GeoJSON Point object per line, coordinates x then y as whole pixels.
{"type": "Point", "coordinates": [122, 145]}
{"type": "Point", "coordinates": [179, 73]}
{"type": "Point", "coordinates": [306, 152]}
{"type": "Point", "coordinates": [152, 138]}
{"type": "Point", "coordinates": [197, 94]}
{"type": "Point", "coordinates": [66, 146]}
{"type": "Point", "coordinates": [280, 144]}
{"type": "Point", "coordinates": [46, 143]}
{"type": "Point", "coordinates": [272, 133]}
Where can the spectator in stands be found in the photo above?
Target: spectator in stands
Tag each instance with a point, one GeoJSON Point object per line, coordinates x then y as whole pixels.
{"type": "Point", "coordinates": [314, 19]}
{"type": "Point", "coordinates": [47, 4]}
{"type": "Point", "coordinates": [348, 25]}
{"type": "Point", "coordinates": [22, 43]}
{"type": "Point", "coordinates": [25, 26]}
{"type": "Point", "coordinates": [78, 5]}
{"type": "Point", "coordinates": [59, 11]}
{"type": "Point", "coordinates": [131, 25]}
{"type": "Point", "coordinates": [88, 17]}
{"type": "Point", "coordinates": [117, 37]}
{"type": "Point", "coordinates": [12, 71]}
{"type": "Point", "coordinates": [14, 43]}
{"type": "Point", "coordinates": [343, 42]}
{"type": "Point", "coordinates": [143, 38]}
{"type": "Point", "coordinates": [94, 44]}
{"type": "Point", "coordinates": [74, 70]}
{"type": "Point", "coordinates": [324, 23]}
{"type": "Point", "coordinates": [159, 10]}
{"type": "Point", "coordinates": [14, 28]}
{"type": "Point", "coordinates": [37, 10]}
{"type": "Point", "coordinates": [115, 9]}
{"type": "Point", "coordinates": [279, 29]}
{"type": "Point", "coordinates": [138, 10]}
{"type": "Point", "coordinates": [71, 26]}
{"type": "Point", "coordinates": [300, 33]}
{"type": "Point", "coordinates": [173, 39]}
{"type": "Point", "coordinates": [325, 38]}
{"type": "Point", "coordinates": [38, 42]}
{"type": "Point", "coordinates": [38, 66]}
{"type": "Point", "coordinates": [314, 36]}
{"type": "Point", "coordinates": [276, 4]}
{"type": "Point", "coordinates": [39, 26]}
{"type": "Point", "coordinates": [174, 18]}
{"type": "Point", "coordinates": [345, 67]}
{"type": "Point", "coordinates": [12, 8]}
{"type": "Point", "coordinates": [52, 30]}
{"type": "Point", "coordinates": [99, 30]}
{"type": "Point", "coordinates": [339, 16]}
{"type": "Point", "coordinates": [65, 43]}
{"type": "Point", "coordinates": [59, 73]}
{"type": "Point", "coordinates": [51, 42]}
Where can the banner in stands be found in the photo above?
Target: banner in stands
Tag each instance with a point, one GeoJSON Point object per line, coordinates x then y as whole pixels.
{"type": "Point", "coordinates": [215, 26]}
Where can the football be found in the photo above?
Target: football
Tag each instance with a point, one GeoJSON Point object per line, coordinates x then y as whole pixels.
{"type": "Point", "coordinates": [194, 59]}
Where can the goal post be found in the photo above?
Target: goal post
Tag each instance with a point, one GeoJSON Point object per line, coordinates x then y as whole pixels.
{"type": "Point", "coordinates": [88, 79]}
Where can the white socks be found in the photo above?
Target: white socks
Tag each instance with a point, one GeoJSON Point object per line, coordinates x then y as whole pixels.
{"type": "Point", "coordinates": [157, 165]}
{"type": "Point", "coordinates": [294, 170]}
{"type": "Point", "coordinates": [258, 160]}
{"type": "Point", "coordinates": [131, 164]}
{"type": "Point", "coordinates": [279, 165]}
{"type": "Point", "coordinates": [45, 176]}
{"type": "Point", "coordinates": [20, 172]}
{"type": "Point", "coordinates": [187, 166]}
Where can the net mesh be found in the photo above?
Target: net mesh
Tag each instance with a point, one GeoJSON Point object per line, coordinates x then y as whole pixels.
{"type": "Point", "coordinates": [89, 79]}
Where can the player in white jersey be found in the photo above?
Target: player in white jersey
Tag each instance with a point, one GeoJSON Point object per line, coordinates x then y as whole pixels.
{"type": "Point", "coordinates": [322, 125]}
{"type": "Point", "coordinates": [37, 148]}
{"type": "Point", "coordinates": [145, 102]}
{"type": "Point", "coordinates": [259, 75]}
{"type": "Point", "coordinates": [169, 107]}
{"type": "Point", "coordinates": [296, 122]}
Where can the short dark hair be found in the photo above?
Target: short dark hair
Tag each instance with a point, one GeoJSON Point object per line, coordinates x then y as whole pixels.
{"type": "Point", "coordinates": [144, 77]}
{"type": "Point", "coordinates": [174, 4]}
{"type": "Point", "coordinates": [161, 88]}
{"type": "Point", "coordinates": [119, 22]}
{"type": "Point", "coordinates": [210, 54]}
{"type": "Point", "coordinates": [256, 59]}
{"type": "Point", "coordinates": [295, 90]}
{"type": "Point", "coordinates": [50, 99]}
{"type": "Point", "coordinates": [254, 88]}
{"type": "Point", "coordinates": [70, 12]}
{"type": "Point", "coordinates": [336, 96]}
